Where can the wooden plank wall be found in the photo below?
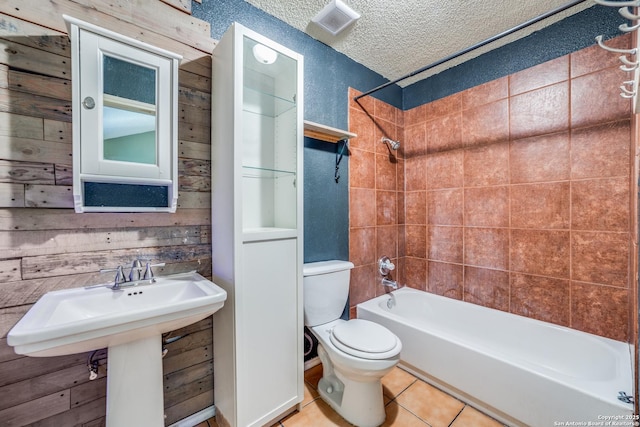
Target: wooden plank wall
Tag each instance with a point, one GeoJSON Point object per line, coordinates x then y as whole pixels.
{"type": "Point", "coordinates": [45, 245]}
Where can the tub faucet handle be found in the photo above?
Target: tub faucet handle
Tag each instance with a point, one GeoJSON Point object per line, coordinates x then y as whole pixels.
{"type": "Point", "coordinates": [385, 265]}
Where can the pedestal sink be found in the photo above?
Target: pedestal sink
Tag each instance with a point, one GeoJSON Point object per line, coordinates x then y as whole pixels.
{"type": "Point", "coordinates": [130, 323]}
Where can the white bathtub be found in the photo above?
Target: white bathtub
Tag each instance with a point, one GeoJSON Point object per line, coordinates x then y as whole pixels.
{"type": "Point", "coordinates": [521, 371]}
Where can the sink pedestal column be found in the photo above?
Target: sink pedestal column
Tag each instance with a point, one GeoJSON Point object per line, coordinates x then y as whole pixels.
{"type": "Point", "coordinates": [134, 384]}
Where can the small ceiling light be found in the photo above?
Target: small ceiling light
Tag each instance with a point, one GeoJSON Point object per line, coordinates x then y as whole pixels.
{"type": "Point", "coordinates": [264, 54]}
{"type": "Point", "coordinates": [335, 17]}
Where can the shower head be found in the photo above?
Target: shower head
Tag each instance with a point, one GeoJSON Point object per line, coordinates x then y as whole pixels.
{"type": "Point", "coordinates": [394, 145]}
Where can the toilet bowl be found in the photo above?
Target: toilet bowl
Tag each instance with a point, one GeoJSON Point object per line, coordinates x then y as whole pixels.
{"type": "Point", "coordinates": [355, 354]}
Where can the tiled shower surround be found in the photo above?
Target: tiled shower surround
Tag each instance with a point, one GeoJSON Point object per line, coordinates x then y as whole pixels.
{"type": "Point", "coordinates": [517, 194]}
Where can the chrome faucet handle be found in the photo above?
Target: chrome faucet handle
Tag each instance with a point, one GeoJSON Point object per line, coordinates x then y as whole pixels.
{"type": "Point", "coordinates": [385, 265]}
{"type": "Point", "coordinates": [148, 273]}
{"type": "Point", "coordinates": [136, 271]}
{"type": "Point", "coordinates": [119, 279]}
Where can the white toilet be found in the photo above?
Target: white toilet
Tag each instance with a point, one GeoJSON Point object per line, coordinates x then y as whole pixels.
{"type": "Point", "coordinates": [355, 354]}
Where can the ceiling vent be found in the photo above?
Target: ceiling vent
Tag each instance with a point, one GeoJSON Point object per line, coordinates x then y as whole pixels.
{"type": "Point", "coordinates": [335, 17]}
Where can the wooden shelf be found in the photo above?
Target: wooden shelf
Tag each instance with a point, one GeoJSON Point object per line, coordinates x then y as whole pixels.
{"type": "Point", "coordinates": [325, 133]}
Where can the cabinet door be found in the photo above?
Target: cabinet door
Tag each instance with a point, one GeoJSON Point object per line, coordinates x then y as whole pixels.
{"type": "Point", "coordinates": [269, 339]}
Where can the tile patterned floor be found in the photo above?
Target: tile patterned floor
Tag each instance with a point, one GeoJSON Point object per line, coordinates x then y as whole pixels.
{"type": "Point", "coordinates": [410, 402]}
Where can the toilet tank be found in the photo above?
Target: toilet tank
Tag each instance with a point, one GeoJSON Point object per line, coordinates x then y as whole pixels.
{"type": "Point", "coordinates": [326, 289]}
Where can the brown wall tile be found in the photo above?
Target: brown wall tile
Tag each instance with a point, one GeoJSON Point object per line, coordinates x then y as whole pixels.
{"type": "Point", "coordinates": [600, 204]}
{"type": "Point", "coordinates": [486, 206]}
{"type": "Point", "coordinates": [545, 74]}
{"type": "Point", "coordinates": [415, 272]}
{"type": "Point", "coordinates": [601, 310]}
{"type": "Point", "coordinates": [386, 208]}
{"type": "Point", "coordinates": [362, 242]}
{"type": "Point", "coordinates": [486, 124]}
{"type": "Point", "coordinates": [610, 142]}
{"type": "Point", "coordinates": [595, 58]}
{"type": "Point", "coordinates": [387, 241]}
{"type": "Point", "coordinates": [384, 128]}
{"type": "Point", "coordinates": [362, 168]}
{"type": "Point", "coordinates": [445, 207]}
{"type": "Point", "coordinates": [415, 115]}
{"type": "Point", "coordinates": [444, 133]}
{"type": "Point", "coordinates": [540, 111]}
{"type": "Point", "coordinates": [542, 298]}
{"type": "Point", "coordinates": [486, 247]}
{"type": "Point", "coordinates": [362, 286]}
{"type": "Point", "coordinates": [540, 252]}
{"type": "Point", "coordinates": [600, 257]}
{"type": "Point", "coordinates": [489, 288]}
{"type": "Point", "coordinates": [385, 172]}
{"type": "Point", "coordinates": [444, 106]}
{"type": "Point", "coordinates": [415, 174]}
{"type": "Point", "coordinates": [485, 93]}
{"type": "Point", "coordinates": [362, 207]}
{"type": "Point", "coordinates": [445, 244]}
{"type": "Point", "coordinates": [416, 207]}
{"type": "Point", "coordinates": [595, 99]}
{"type": "Point", "coordinates": [416, 243]}
{"type": "Point", "coordinates": [445, 279]}
{"type": "Point", "coordinates": [444, 170]}
{"type": "Point", "coordinates": [487, 165]}
{"type": "Point", "coordinates": [540, 158]}
{"type": "Point", "coordinates": [384, 111]}
{"type": "Point", "coordinates": [415, 141]}
{"type": "Point", "coordinates": [544, 205]}
{"type": "Point", "coordinates": [362, 125]}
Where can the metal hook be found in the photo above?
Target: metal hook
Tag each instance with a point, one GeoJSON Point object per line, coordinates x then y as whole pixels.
{"type": "Point", "coordinates": [635, 3]}
{"type": "Point", "coordinates": [628, 69]}
{"type": "Point", "coordinates": [627, 91]}
{"type": "Point", "coordinates": [613, 49]}
{"type": "Point", "coordinates": [626, 13]}
{"type": "Point", "coordinates": [627, 29]}
{"type": "Point", "coordinates": [627, 62]}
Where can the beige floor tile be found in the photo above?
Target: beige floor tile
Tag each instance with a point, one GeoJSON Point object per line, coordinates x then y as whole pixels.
{"type": "Point", "coordinates": [316, 414]}
{"type": "Point", "coordinates": [397, 416]}
{"type": "Point", "coordinates": [313, 375]}
{"type": "Point", "coordinates": [396, 381]}
{"type": "Point", "coordinates": [472, 417]}
{"type": "Point", "coordinates": [310, 394]}
{"type": "Point", "coordinates": [432, 405]}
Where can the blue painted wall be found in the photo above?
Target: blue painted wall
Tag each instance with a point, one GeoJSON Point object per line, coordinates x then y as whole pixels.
{"type": "Point", "coordinates": [328, 75]}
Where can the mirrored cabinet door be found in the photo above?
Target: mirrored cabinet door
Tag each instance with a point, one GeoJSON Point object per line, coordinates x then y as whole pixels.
{"type": "Point", "coordinates": [125, 122]}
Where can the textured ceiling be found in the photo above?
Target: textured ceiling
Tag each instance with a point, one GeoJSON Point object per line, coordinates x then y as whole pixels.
{"type": "Point", "coordinates": [397, 37]}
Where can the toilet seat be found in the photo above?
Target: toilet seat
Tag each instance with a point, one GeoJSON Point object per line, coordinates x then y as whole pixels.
{"type": "Point", "coordinates": [364, 339]}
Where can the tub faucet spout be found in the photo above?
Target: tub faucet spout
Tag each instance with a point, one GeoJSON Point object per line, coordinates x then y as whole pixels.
{"type": "Point", "coordinates": [388, 283]}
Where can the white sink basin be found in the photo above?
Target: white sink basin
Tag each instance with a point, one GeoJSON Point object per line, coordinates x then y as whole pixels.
{"type": "Point", "coordinates": [84, 319]}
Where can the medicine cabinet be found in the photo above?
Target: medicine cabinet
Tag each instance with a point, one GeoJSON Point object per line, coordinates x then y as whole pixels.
{"type": "Point", "coordinates": [125, 132]}
{"type": "Point", "coordinates": [257, 140]}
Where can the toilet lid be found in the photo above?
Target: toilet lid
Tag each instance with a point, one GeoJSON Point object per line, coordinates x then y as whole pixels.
{"type": "Point", "coordinates": [365, 339]}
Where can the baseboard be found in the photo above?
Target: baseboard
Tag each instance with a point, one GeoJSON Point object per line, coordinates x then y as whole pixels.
{"type": "Point", "coordinates": [196, 418]}
{"type": "Point", "coordinates": [311, 363]}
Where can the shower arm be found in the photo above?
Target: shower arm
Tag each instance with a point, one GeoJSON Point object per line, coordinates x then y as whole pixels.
{"type": "Point", "coordinates": [474, 47]}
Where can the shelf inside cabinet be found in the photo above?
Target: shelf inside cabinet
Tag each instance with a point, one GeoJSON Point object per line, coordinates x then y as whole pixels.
{"type": "Point", "coordinates": [265, 104]}
{"type": "Point", "coordinates": [256, 172]}
{"type": "Point", "coordinates": [325, 133]}
{"type": "Point", "coordinates": [268, 233]}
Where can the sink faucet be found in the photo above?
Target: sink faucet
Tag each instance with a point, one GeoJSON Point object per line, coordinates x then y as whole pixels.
{"type": "Point", "coordinates": [136, 275]}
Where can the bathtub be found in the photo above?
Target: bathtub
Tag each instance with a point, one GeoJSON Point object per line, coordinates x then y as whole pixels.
{"type": "Point", "coordinates": [521, 371]}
